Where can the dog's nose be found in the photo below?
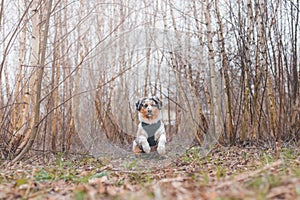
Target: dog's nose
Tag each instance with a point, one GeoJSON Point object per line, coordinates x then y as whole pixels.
{"type": "Point", "coordinates": [149, 111]}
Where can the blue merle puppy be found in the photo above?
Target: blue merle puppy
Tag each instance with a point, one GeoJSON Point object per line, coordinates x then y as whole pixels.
{"type": "Point", "coordinates": [151, 130]}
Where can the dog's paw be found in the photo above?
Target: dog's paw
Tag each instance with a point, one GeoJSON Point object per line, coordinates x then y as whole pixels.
{"type": "Point", "coordinates": [161, 149]}
{"type": "Point", "coordinates": [137, 150]}
{"type": "Point", "coordinates": [146, 148]}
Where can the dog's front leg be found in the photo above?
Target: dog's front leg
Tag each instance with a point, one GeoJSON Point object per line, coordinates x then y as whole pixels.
{"type": "Point", "coordinates": [145, 145]}
{"type": "Point", "coordinates": [161, 147]}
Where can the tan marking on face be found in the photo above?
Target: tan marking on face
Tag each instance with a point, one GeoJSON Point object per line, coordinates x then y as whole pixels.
{"type": "Point", "coordinates": [149, 105]}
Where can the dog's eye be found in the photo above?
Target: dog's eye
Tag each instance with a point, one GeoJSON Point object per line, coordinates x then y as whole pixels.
{"type": "Point", "coordinates": [145, 105]}
{"type": "Point", "coordinates": [153, 104]}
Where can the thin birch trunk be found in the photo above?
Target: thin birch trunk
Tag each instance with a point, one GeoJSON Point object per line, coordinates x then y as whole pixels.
{"type": "Point", "coordinates": [216, 121]}
{"type": "Point", "coordinates": [225, 64]}
{"type": "Point", "coordinates": [1, 13]}
{"type": "Point", "coordinates": [180, 62]}
{"type": "Point", "coordinates": [39, 78]}
{"type": "Point", "coordinates": [19, 114]}
{"type": "Point", "coordinates": [18, 91]}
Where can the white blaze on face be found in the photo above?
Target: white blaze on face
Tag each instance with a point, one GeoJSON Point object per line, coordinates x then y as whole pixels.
{"type": "Point", "coordinates": [149, 112]}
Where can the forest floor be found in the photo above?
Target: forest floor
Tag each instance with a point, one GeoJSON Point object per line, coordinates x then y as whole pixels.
{"type": "Point", "coordinates": [225, 173]}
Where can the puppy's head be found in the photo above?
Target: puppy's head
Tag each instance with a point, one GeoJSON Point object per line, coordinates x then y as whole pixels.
{"type": "Point", "coordinates": [149, 109]}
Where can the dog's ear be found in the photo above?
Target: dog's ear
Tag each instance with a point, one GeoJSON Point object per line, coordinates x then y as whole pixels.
{"type": "Point", "coordinates": [138, 104]}
{"type": "Point", "coordinates": [158, 102]}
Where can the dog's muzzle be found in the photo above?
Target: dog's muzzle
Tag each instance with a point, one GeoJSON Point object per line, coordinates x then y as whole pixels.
{"type": "Point", "coordinates": [149, 112]}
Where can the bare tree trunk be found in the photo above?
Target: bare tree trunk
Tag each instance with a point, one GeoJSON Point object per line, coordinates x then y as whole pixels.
{"type": "Point", "coordinates": [19, 116]}
{"type": "Point", "coordinates": [19, 92]}
{"type": "Point", "coordinates": [180, 62]}
{"type": "Point", "coordinates": [1, 21]}
{"type": "Point", "coordinates": [1, 12]}
{"type": "Point", "coordinates": [22, 136]}
{"type": "Point", "coordinates": [295, 116]}
{"type": "Point", "coordinates": [54, 83]}
{"type": "Point", "coordinates": [294, 31]}
{"type": "Point", "coordinates": [216, 121]}
{"type": "Point", "coordinates": [245, 48]}
{"type": "Point", "coordinates": [39, 78]}
{"type": "Point", "coordinates": [225, 63]}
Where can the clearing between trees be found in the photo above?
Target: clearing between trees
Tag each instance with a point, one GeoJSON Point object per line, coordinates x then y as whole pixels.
{"type": "Point", "coordinates": [225, 173]}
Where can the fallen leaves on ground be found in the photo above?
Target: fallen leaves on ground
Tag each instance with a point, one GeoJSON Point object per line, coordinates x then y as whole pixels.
{"type": "Point", "coordinates": [225, 173]}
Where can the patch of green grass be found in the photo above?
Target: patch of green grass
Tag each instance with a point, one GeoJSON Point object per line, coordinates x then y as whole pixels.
{"type": "Point", "coordinates": [100, 174]}
{"type": "Point", "coordinates": [148, 178]}
{"type": "Point", "coordinates": [80, 195]}
{"type": "Point", "coordinates": [67, 171]}
{"type": "Point", "coordinates": [208, 159]}
{"type": "Point", "coordinates": [263, 184]}
{"type": "Point", "coordinates": [59, 159]}
{"type": "Point", "coordinates": [288, 153]}
{"type": "Point", "coordinates": [274, 180]}
{"type": "Point", "coordinates": [186, 158]}
{"type": "Point", "coordinates": [43, 175]}
{"type": "Point", "coordinates": [82, 179]}
{"type": "Point", "coordinates": [298, 190]}
{"type": "Point", "coordinates": [86, 178]}
{"type": "Point", "coordinates": [258, 184]}
{"type": "Point", "coordinates": [205, 176]}
{"type": "Point", "coordinates": [132, 165]}
{"type": "Point", "coordinates": [21, 181]}
{"type": "Point", "coordinates": [245, 155]}
{"type": "Point", "coordinates": [94, 162]}
{"type": "Point", "coordinates": [220, 172]}
{"type": "Point", "coordinates": [296, 172]}
{"type": "Point", "coordinates": [191, 155]}
{"type": "Point", "coordinates": [135, 178]}
{"type": "Point", "coordinates": [140, 178]}
{"type": "Point", "coordinates": [267, 158]}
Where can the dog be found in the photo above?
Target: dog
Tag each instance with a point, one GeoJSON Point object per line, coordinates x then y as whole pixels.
{"type": "Point", "coordinates": [151, 130]}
